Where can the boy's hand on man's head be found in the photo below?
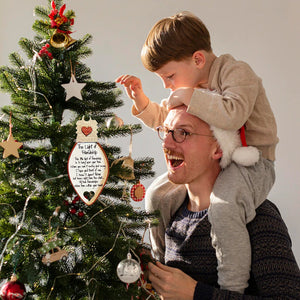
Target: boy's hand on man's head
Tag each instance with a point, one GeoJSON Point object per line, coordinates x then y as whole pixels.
{"type": "Point", "coordinates": [181, 96]}
{"type": "Point", "coordinates": [134, 90]}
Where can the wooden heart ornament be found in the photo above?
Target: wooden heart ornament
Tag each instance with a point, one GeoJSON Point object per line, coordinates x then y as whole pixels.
{"type": "Point", "coordinates": [86, 130]}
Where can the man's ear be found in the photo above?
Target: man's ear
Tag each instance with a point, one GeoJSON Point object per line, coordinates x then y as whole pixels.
{"type": "Point", "coordinates": [217, 152]}
{"type": "Point", "coordinates": [199, 58]}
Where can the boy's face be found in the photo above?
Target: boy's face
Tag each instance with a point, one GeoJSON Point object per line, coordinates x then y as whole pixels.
{"type": "Point", "coordinates": [178, 74]}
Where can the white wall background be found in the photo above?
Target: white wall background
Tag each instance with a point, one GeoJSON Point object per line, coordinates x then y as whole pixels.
{"type": "Point", "coordinates": [264, 33]}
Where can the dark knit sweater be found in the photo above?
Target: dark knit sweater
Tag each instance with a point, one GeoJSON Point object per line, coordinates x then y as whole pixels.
{"type": "Point", "coordinates": [274, 270]}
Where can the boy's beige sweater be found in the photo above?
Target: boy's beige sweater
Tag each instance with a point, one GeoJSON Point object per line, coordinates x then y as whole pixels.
{"type": "Point", "coordinates": [236, 97]}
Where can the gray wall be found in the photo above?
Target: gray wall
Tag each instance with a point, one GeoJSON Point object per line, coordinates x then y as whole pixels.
{"type": "Point", "coordinates": [264, 33]}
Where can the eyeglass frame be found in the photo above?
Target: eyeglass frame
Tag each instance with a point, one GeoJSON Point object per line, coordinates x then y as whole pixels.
{"type": "Point", "coordinates": [186, 133]}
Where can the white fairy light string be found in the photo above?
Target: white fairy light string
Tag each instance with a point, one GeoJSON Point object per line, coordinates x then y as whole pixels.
{"type": "Point", "coordinates": [18, 228]}
{"type": "Point", "coordinates": [99, 261]}
{"type": "Point", "coordinates": [35, 92]}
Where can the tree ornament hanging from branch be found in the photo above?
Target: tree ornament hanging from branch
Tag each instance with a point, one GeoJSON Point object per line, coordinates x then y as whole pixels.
{"type": "Point", "coordinates": [114, 122]}
{"type": "Point", "coordinates": [127, 164]}
{"type": "Point", "coordinates": [61, 37]}
{"type": "Point", "coordinates": [137, 192]}
{"type": "Point", "coordinates": [88, 166]}
{"type": "Point", "coordinates": [129, 270]}
{"type": "Point", "coordinates": [11, 146]}
{"type": "Point", "coordinates": [13, 289]}
{"type": "Point", "coordinates": [73, 88]}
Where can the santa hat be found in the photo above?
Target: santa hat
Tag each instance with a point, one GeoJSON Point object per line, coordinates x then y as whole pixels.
{"type": "Point", "coordinates": [234, 147]}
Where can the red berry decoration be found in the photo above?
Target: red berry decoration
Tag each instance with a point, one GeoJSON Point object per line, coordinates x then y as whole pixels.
{"type": "Point", "coordinates": [13, 290]}
{"type": "Point", "coordinates": [76, 199]}
{"type": "Point", "coordinates": [80, 214]}
{"type": "Point", "coordinates": [75, 206]}
{"type": "Point", "coordinates": [73, 211]}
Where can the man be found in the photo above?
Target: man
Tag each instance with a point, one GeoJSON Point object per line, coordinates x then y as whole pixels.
{"type": "Point", "coordinates": [190, 271]}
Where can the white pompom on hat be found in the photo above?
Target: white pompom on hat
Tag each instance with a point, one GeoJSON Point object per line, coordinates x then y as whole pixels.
{"type": "Point", "coordinates": [234, 147]}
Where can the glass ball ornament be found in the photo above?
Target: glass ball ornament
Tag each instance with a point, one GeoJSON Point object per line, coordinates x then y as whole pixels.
{"type": "Point", "coordinates": [129, 270]}
{"type": "Point", "coordinates": [114, 122]}
{"type": "Point", "coordinates": [13, 290]}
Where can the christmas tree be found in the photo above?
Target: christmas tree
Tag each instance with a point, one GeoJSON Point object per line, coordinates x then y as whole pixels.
{"type": "Point", "coordinates": [63, 242]}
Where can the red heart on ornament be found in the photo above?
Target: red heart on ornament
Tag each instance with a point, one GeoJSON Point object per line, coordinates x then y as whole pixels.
{"type": "Point", "coordinates": [86, 130]}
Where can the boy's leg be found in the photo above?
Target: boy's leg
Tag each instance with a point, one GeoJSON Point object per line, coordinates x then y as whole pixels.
{"type": "Point", "coordinates": [166, 197]}
{"type": "Point", "coordinates": [237, 192]}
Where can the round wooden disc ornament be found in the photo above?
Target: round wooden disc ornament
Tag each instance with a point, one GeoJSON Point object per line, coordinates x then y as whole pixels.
{"type": "Point", "coordinates": [88, 166]}
{"type": "Point", "coordinates": [137, 192]}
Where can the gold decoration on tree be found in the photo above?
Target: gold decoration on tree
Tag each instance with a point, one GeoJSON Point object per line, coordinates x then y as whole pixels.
{"type": "Point", "coordinates": [127, 163]}
{"type": "Point", "coordinates": [11, 146]}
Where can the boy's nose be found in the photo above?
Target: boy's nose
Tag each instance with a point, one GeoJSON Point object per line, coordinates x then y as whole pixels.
{"type": "Point", "coordinates": [167, 84]}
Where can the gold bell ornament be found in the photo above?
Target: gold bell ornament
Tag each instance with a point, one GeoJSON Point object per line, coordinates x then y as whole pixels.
{"type": "Point", "coordinates": [127, 163]}
{"type": "Point", "coordinates": [61, 40]}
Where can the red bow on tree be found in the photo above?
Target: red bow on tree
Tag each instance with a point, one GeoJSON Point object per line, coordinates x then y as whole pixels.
{"type": "Point", "coordinates": [58, 18]}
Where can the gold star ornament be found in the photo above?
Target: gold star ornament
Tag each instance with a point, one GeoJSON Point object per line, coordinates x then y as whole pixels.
{"type": "Point", "coordinates": [11, 146]}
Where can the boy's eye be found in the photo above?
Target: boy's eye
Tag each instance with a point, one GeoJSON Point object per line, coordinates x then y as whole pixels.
{"type": "Point", "coordinates": [170, 76]}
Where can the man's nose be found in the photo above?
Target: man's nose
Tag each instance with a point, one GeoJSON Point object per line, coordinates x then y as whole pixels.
{"type": "Point", "coordinates": [169, 141]}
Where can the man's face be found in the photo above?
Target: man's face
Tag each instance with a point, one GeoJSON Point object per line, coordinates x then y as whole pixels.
{"type": "Point", "coordinates": [191, 160]}
{"type": "Point", "coordinates": [178, 74]}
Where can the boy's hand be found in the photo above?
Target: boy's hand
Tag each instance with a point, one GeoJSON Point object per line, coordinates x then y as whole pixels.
{"type": "Point", "coordinates": [134, 90]}
{"type": "Point", "coordinates": [179, 97]}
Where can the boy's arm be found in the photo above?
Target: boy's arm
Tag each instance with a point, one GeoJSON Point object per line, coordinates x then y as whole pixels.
{"type": "Point", "coordinates": [223, 112]}
{"type": "Point", "coordinates": [134, 90]}
{"type": "Point", "coordinates": [229, 108]}
{"type": "Point", "coordinates": [150, 113]}
{"type": "Point", "coordinates": [153, 115]}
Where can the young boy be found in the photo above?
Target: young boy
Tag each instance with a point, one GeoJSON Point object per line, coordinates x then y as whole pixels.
{"type": "Point", "coordinates": [224, 93]}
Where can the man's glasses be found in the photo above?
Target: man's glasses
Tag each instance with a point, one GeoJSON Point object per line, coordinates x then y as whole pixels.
{"type": "Point", "coordinates": [179, 135]}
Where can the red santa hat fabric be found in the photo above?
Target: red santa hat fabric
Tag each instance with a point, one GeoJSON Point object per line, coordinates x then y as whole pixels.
{"type": "Point", "coordinates": [234, 147]}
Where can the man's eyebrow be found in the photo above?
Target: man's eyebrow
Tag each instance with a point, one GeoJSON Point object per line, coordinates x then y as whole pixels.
{"type": "Point", "coordinates": [184, 126]}
{"type": "Point", "coordinates": [180, 126]}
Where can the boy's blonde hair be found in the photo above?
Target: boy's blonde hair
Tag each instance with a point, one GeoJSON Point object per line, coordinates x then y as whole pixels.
{"type": "Point", "coordinates": [174, 38]}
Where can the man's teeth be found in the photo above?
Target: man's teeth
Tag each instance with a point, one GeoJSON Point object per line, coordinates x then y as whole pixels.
{"type": "Point", "coordinates": [175, 159]}
{"type": "Point", "coordinates": [171, 157]}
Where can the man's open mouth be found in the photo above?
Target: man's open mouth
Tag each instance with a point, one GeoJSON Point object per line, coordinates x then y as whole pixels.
{"type": "Point", "coordinates": [175, 160]}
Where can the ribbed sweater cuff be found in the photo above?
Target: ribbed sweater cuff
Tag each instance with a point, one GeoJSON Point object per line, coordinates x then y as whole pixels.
{"type": "Point", "coordinates": [203, 291]}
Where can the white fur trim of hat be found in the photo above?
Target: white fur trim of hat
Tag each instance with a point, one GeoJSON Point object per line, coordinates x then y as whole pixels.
{"type": "Point", "coordinates": [233, 150]}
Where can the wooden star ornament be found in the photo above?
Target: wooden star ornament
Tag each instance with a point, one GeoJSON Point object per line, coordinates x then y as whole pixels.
{"type": "Point", "coordinates": [73, 88]}
{"type": "Point", "coordinates": [11, 146]}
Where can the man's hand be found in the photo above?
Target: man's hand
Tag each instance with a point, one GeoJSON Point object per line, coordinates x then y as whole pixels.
{"type": "Point", "coordinates": [179, 97]}
{"type": "Point", "coordinates": [134, 90]}
{"type": "Point", "coordinates": [171, 283]}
